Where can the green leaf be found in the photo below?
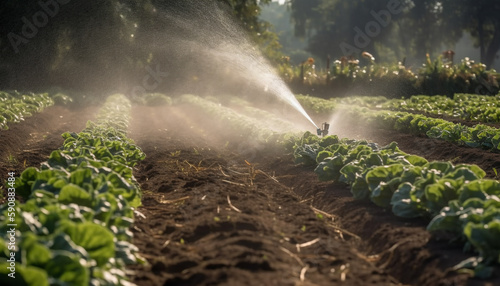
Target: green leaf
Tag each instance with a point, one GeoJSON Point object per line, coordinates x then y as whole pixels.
{"type": "Point", "coordinates": [372, 160]}
{"type": "Point", "coordinates": [438, 195]}
{"type": "Point", "coordinates": [329, 169]}
{"type": "Point", "coordinates": [411, 174]}
{"type": "Point", "coordinates": [95, 239]}
{"type": "Point", "coordinates": [393, 146]}
{"type": "Point", "coordinates": [36, 253]}
{"type": "Point", "coordinates": [448, 220]}
{"type": "Point", "coordinates": [383, 193]}
{"type": "Point", "coordinates": [322, 155]}
{"type": "Point", "coordinates": [29, 174]}
{"type": "Point", "coordinates": [442, 167]}
{"type": "Point", "coordinates": [416, 160]}
{"type": "Point", "coordinates": [484, 237]}
{"type": "Point", "coordinates": [360, 189]}
{"type": "Point", "coordinates": [464, 172]}
{"type": "Point", "coordinates": [473, 189]}
{"type": "Point", "coordinates": [81, 176]}
{"type": "Point", "coordinates": [66, 267]}
{"type": "Point", "coordinates": [63, 242]}
{"type": "Point", "coordinates": [402, 205]}
{"type": "Point", "coordinates": [329, 140]}
{"type": "Point", "coordinates": [74, 194]}
{"type": "Point", "coordinates": [383, 174]}
{"type": "Point", "coordinates": [25, 276]}
{"type": "Point", "coordinates": [350, 172]}
{"type": "Point", "coordinates": [306, 155]}
{"type": "Point", "coordinates": [59, 159]}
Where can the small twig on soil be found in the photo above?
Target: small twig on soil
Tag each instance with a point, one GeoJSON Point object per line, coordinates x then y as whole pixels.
{"type": "Point", "coordinates": [322, 212]}
{"type": "Point", "coordinates": [203, 198]}
{"type": "Point", "coordinates": [306, 200]}
{"type": "Point", "coordinates": [233, 183]}
{"type": "Point", "coordinates": [303, 273]}
{"type": "Point", "coordinates": [194, 167]}
{"type": "Point", "coordinates": [218, 209]}
{"type": "Point", "coordinates": [340, 230]}
{"type": "Point", "coordinates": [32, 151]}
{"type": "Point", "coordinates": [306, 244]}
{"type": "Point", "coordinates": [377, 257]}
{"type": "Point", "coordinates": [162, 201]}
{"type": "Point", "coordinates": [269, 176]}
{"type": "Point", "coordinates": [231, 205]}
{"type": "Point", "coordinates": [272, 178]}
{"type": "Point", "coordinates": [236, 172]}
{"type": "Point", "coordinates": [225, 175]}
{"type": "Point", "coordinates": [292, 255]}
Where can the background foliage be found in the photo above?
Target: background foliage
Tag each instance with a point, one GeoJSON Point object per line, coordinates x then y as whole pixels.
{"type": "Point", "coordinates": [424, 26]}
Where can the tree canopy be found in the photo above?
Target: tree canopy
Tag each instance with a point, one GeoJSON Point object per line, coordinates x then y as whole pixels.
{"type": "Point", "coordinates": [102, 43]}
{"type": "Point", "coordinates": [396, 29]}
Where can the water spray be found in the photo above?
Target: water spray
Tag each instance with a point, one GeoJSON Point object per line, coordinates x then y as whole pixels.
{"type": "Point", "coordinates": [323, 131]}
{"type": "Point", "coordinates": [218, 40]}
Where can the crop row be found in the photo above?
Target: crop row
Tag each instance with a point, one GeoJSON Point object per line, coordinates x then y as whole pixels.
{"type": "Point", "coordinates": [456, 197]}
{"type": "Point", "coordinates": [470, 107]}
{"type": "Point", "coordinates": [15, 106]}
{"type": "Point", "coordinates": [242, 125]}
{"type": "Point", "coordinates": [479, 136]}
{"type": "Point", "coordinates": [73, 227]}
{"type": "Point", "coordinates": [316, 105]}
{"type": "Point", "coordinates": [271, 120]}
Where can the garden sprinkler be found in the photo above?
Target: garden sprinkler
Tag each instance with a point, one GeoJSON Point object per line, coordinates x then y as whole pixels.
{"type": "Point", "coordinates": [323, 131]}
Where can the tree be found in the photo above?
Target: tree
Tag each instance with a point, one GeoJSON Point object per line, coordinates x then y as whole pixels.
{"type": "Point", "coordinates": [424, 26]}
{"type": "Point", "coordinates": [104, 44]}
{"type": "Point", "coordinates": [342, 28]}
{"type": "Point", "coordinates": [482, 21]}
{"type": "Point", "coordinates": [81, 43]}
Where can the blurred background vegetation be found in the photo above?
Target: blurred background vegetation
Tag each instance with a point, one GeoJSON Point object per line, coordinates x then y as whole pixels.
{"type": "Point", "coordinates": [109, 45]}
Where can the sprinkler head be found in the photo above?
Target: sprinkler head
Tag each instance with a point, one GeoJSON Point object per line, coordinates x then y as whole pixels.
{"type": "Point", "coordinates": [323, 131]}
{"type": "Point", "coordinates": [325, 127]}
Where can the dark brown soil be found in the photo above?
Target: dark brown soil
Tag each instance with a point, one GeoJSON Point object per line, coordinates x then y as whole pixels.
{"type": "Point", "coordinates": [191, 235]}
